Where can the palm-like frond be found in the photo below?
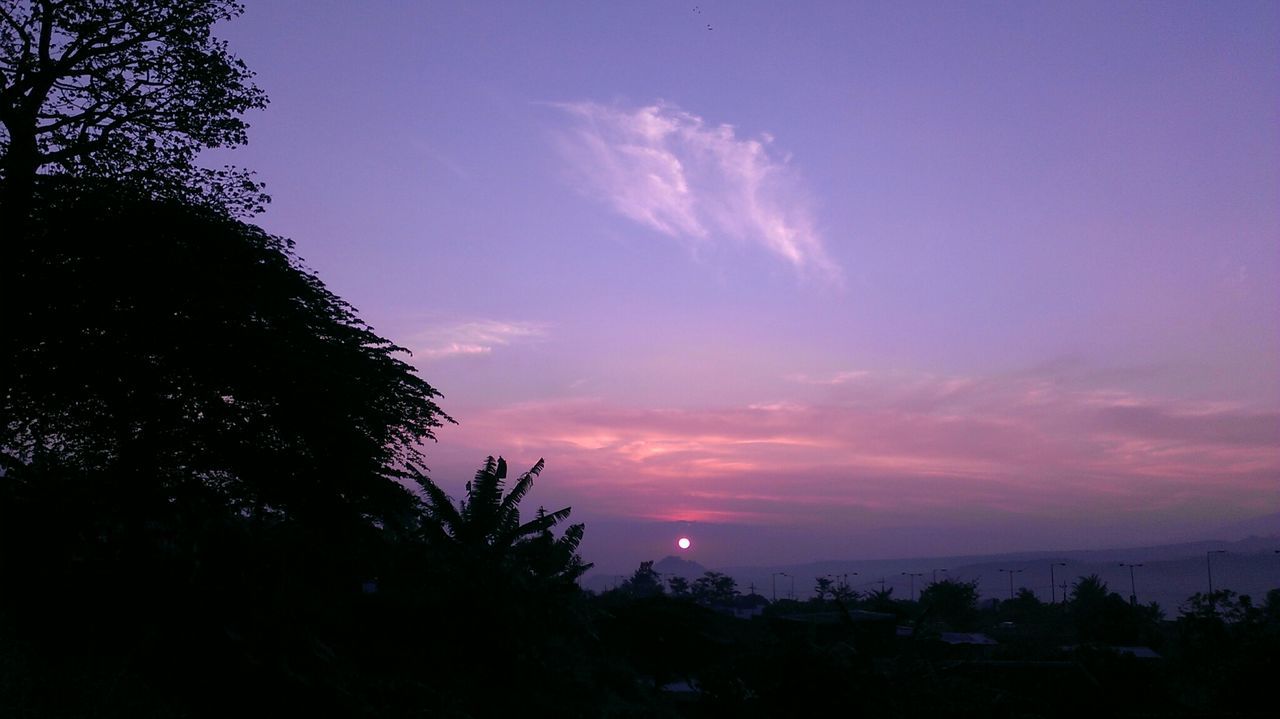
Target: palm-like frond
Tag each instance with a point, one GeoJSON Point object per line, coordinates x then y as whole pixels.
{"type": "Point", "coordinates": [541, 523]}
{"type": "Point", "coordinates": [567, 553]}
{"type": "Point", "coordinates": [522, 487]}
{"type": "Point", "coordinates": [572, 538]}
{"type": "Point", "coordinates": [486, 524]}
{"type": "Point", "coordinates": [484, 494]}
{"type": "Point", "coordinates": [439, 504]}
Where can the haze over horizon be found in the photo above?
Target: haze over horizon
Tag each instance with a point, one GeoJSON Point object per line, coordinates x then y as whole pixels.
{"type": "Point", "coordinates": [824, 278]}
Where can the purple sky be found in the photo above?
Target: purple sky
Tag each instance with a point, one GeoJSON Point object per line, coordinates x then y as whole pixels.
{"type": "Point", "coordinates": [827, 280]}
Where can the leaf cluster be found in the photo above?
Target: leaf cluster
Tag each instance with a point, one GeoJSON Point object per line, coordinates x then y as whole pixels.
{"type": "Point", "coordinates": [131, 91]}
{"type": "Point", "coordinates": [485, 526]}
{"type": "Point", "coordinates": [195, 351]}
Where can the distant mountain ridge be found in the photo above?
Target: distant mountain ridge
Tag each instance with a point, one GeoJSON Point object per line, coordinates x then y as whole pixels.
{"type": "Point", "coordinates": [1131, 554]}
{"type": "Point", "coordinates": [671, 565]}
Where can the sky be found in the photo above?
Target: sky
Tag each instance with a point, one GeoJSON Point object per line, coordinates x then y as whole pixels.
{"type": "Point", "coordinates": [807, 280]}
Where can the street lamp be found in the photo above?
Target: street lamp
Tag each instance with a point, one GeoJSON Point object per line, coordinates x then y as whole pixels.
{"type": "Point", "coordinates": [1011, 572]}
{"type": "Point", "coordinates": [1053, 597]}
{"type": "Point", "coordinates": [1133, 592]}
{"type": "Point", "coordinates": [1208, 568]}
{"type": "Point", "coordinates": [773, 580]}
{"type": "Point", "coordinates": [841, 581]}
{"type": "Point", "coordinates": [935, 575]}
{"type": "Point", "coordinates": [913, 576]}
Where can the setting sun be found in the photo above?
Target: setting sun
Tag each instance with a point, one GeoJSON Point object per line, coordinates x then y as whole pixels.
{"type": "Point", "coordinates": [683, 542]}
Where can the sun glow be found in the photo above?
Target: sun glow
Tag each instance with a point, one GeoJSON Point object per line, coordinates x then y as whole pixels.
{"type": "Point", "coordinates": [683, 542]}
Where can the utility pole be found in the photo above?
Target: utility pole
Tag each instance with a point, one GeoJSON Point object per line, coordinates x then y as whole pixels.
{"type": "Point", "coordinates": [913, 576]}
{"type": "Point", "coordinates": [1133, 592]}
{"type": "Point", "coordinates": [1208, 568]}
{"type": "Point", "coordinates": [1011, 572]}
{"type": "Point", "coordinates": [773, 580]}
{"type": "Point", "coordinates": [1052, 597]}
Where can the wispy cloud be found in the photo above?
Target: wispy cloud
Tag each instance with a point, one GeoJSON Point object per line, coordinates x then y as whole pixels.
{"type": "Point", "coordinates": [478, 337]}
{"type": "Point", "coordinates": [688, 179]}
{"type": "Point", "coordinates": [917, 445]}
{"type": "Point", "coordinates": [838, 378]}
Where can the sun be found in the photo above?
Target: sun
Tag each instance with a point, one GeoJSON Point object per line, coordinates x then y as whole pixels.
{"type": "Point", "coordinates": [683, 543]}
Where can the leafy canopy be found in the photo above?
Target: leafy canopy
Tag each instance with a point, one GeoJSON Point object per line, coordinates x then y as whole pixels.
{"type": "Point", "coordinates": [486, 525]}
{"type": "Point", "coordinates": [130, 90]}
{"type": "Point", "coordinates": [194, 351]}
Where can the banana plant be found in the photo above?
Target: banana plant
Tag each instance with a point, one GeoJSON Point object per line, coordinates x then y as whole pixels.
{"type": "Point", "coordinates": [486, 525]}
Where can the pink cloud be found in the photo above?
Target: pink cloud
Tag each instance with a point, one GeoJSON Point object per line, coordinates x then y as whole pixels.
{"type": "Point", "coordinates": [905, 447]}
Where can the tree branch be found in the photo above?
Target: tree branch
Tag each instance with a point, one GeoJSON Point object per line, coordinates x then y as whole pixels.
{"type": "Point", "coordinates": [22, 31]}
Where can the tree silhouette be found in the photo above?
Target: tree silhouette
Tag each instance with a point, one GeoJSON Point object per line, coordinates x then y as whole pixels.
{"type": "Point", "coordinates": [483, 587]}
{"type": "Point", "coordinates": [125, 90]}
{"type": "Point", "coordinates": [643, 583]}
{"type": "Point", "coordinates": [1088, 590]}
{"type": "Point", "coordinates": [715, 588]}
{"type": "Point", "coordinates": [822, 587]}
{"type": "Point", "coordinates": [1099, 615]}
{"type": "Point", "coordinates": [951, 601]}
{"type": "Point", "coordinates": [679, 586]}
{"type": "Point", "coordinates": [485, 527]}
{"type": "Point", "coordinates": [881, 600]}
{"type": "Point", "coordinates": [193, 362]}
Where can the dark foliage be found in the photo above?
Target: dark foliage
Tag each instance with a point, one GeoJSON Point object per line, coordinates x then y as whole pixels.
{"type": "Point", "coordinates": [1103, 616]}
{"type": "Point", "coordinates": [715, 588]}
{"type": "Point", "coordinates": [485, 530]}
{"type": "Point", "coordinates": [200, 449]}
{"type": "Point", "coordinates": [127, 91]}
{"type": "Point", "coordinates": [951, 602]}
{"type": "Point", "coordinates": [644, 583]}
{"type": "Point", "coordinates": [191, 359]}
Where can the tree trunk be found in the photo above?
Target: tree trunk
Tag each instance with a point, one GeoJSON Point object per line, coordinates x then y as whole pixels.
{"type": "Point", "coordinates": [17, 187]}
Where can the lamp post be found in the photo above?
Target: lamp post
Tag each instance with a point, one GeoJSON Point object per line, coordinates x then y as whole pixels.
{"type": "Point", "coordinates": [773, 581]}
{"type": "Point", "coordinates": [913, 576]}
{"type": "Point", "coordinates": [1011, 572]}
{"type": "Point", "coordinates": [793, 585]}
{"type": "Point", "coordinates": [1133, 592]}
{"type": "Point", "coordinates": [1053, 597]}
{"type": "Point", "coordinates": [844, 584]}
{"type": "Point", "coordinates": [935, 575]}
{"type": "Point", "coordinates": [1208, 568]}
